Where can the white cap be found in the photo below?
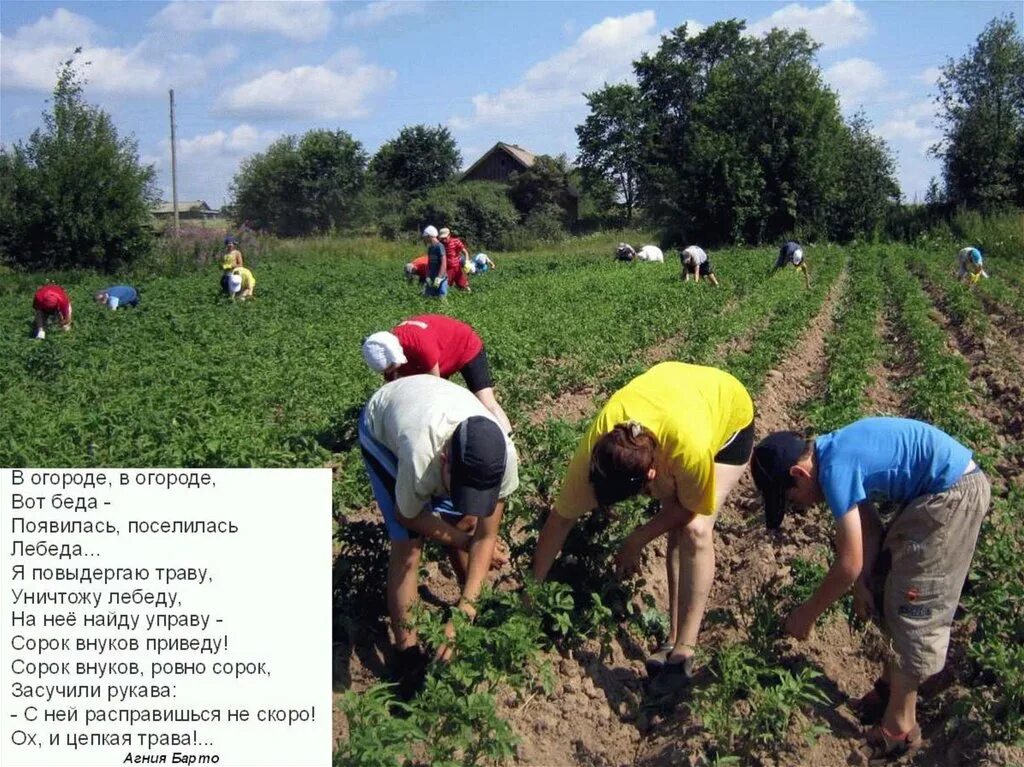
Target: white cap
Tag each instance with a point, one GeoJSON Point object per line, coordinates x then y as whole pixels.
{"type": "Point", "coordinates": [234, 282]}
{"type": "Point", "coordinates": [382, 350]}
{"type": "Point", "coordinates": [430, 231]}
{"type": "Point", "coordinates": [445, 232]}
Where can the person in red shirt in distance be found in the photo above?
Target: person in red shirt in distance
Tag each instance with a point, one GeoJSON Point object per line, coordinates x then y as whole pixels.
{"type": "Point", "coordinates": [436, 345]}
{"type": "Point", "coordinates": [50, 301]}
{"type": "Point", "coordinates": [455, 250]}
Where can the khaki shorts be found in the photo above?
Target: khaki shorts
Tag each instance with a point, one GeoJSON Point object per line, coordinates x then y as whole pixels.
{"type": "Point", "coordinates": [930, 545]}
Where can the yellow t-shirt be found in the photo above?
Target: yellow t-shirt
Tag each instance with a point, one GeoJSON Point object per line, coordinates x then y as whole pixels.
{"type": "Point", "coordinates": [248, 281]}
{"type": "Point", "coordinates": [692, 410]}
{"type": "Point", "coordinates": [230, 259]}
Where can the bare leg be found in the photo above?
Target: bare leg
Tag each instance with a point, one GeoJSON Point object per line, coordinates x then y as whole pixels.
{"type": "Point", "coordinates": [40, 321]}
{"type": "Point", "coordinates": [697, 571]}
{"type": "Point", "coordinates": [486, 396]}
{"type": "Point", "coordinates": [714, 279]}
{"type": "Point", "coordinates": [672, 573]}
{"type": "Point", "coordinates": [403, 567]}
{"type": "Point", "coordinates": [901, 713]}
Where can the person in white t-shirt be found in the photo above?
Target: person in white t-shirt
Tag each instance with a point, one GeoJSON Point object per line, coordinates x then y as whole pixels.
{"type": "Point", "coordinates": [650, 253]}
{"type": "Point", "coordinates": [440, 467]}
{"type": "Point", "coordinates": [696, 263]}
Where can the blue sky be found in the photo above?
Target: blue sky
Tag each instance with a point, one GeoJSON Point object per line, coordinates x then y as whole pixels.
{"type": "Point", "coordinates": [245, 73]}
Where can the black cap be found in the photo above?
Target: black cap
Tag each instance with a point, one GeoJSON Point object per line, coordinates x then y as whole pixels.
{"type": "Point", "coordinates": [477, 465]}
{"type": "Point", "coordinates": [773, 457]}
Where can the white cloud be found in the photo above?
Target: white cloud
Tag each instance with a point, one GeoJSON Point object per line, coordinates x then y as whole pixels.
{"type": "Point", "coordinates": [301, 21]}
{"type": "Point", "coordinates": [207, 162]}
{"type": "Point", "coordinates": [31, 57]}
{"type": "Point", "coordinates": [855, 79]}
{"type": "Point", "coordinates": [337, 89]}
{"type": "Point", "coordinates": [382, 10]}
{"type": "Point", "coordinates": [834, 25]}
{"type": "Point", "coordinates": [602, 53]}
{"type": "Point", "coordinates": [912, 126]}
{"type": "Point", "coordinates": [929, 77]}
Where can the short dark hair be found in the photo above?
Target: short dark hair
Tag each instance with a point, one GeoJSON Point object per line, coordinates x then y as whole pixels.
{"type": "Point", "coordinates": [620, 461]}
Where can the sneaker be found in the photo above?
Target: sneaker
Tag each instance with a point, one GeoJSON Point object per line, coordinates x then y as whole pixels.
{"type": "Point", "coordinates": [657, 660]}
{"type": "Point", "coordinates": [674, 677]}
{"type": "Point", "coordinates": [886, 747]}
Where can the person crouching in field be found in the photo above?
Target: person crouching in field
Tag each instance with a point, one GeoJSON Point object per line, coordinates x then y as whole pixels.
{"type": "Point", "coordinates": [793, 253]}
{"type": "Point", "coordinates": [696, 264]}
{"type": "Point", "coordinates": [417, 270]}
{"type": "Point", "coordinates": [241, 283]}
{"type": "Point", "coordinates": [440, 468]}
{"type": "Point", "coordinates": [437, 267]}
{"type": "Point", "coordinates": [478, 264]}
{"type": "Point", "coordinates": [970, 264]}
{"type": "Point", "coordinates": [438, 345]}
{"type": "Point", "coordinates": [455, 251]}
{"type": "Point", "coordinates": [681, 434]}
{"type": "Point", "coordinates": [907, 577]}
{"type": "Point", "coordinates": [650, 253]}
{"type": "Point", "coordinates": [232, 259]}
{"type": "Point", "coordinates": [624, 252]}
{"type": "Point", "coordinates": [118, 295]}
{"type": "Point", "coordinates": [51, 302]}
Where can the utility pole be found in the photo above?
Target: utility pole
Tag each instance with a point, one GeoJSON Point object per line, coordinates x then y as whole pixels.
{"type": "Point", "coordinates": [174, 171]}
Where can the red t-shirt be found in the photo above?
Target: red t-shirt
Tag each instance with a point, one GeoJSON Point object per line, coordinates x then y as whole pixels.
{"type": "Point", "coordinates": [419, 267]}
{"type": "Point", "coordinates": [50, 299]}
{"type": "Point", "coordinates": [433, 339]}
{"type": "Point", "coordinates": [453, 248]}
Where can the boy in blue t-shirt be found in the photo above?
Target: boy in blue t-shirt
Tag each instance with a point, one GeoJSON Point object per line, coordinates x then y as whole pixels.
{"type": "Point", "coordinates": [437, 275]}
{"type": "Point", "coordinates": [908, 577]}
{"type": "Point", "coordinates": [118, 295]}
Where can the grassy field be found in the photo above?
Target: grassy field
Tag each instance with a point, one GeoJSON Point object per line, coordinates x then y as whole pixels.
{"type": "Point", "coordinates": [189, 379]}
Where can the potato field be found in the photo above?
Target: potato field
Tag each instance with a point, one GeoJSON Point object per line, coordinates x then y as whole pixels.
{"type": "Point", "coordinates": [557, 678]}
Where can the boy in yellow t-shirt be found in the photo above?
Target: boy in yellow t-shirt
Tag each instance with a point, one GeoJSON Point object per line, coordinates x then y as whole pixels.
{"type": "Point", "coordinates": [681, 434]}
{"type": "Point", "coordinates": [241, 283]}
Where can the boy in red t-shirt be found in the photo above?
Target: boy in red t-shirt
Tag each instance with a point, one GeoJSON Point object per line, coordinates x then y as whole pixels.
{"type": "Point", "coordinates": [455, 251]}
{"type": "Point", "coordinates": [50, 301]}
{"type": "Point", "coordinates": [436, 345]}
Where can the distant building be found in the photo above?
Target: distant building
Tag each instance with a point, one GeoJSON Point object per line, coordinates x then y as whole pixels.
{"type": "Point", "coordinates": [188, 210]}
{"type": "Point", "coordinates": [502, 160]}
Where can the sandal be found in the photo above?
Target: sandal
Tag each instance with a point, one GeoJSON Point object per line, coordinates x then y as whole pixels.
{"type": "Point", "coordinates": [674, 677]}
{"type": "Point", "coordinates": [886, 747]}
{"type": "Point", "coordinates": [870, 707]}
{"type": "Point", "coordinates": [656, 661]}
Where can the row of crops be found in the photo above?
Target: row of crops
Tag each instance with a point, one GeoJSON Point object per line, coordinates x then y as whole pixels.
{"type": "Point", "coordinates": [189, 379]}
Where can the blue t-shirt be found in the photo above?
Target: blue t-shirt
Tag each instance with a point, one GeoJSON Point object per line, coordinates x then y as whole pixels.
{"type": "Point", "coordinates": [786, 253]}
{"type": "Point", "coordinates": [121, 295]}
{"type": "Point", "coordinates": [895, 459]}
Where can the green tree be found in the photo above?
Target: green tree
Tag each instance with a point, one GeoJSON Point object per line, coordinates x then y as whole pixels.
{"type": "Point", "coordinates": [301, 186]}
{"type": "Point", "coordinates": [868, 189]}
{"type": "Point", "coordinates": [479, 212]}
{"type": "Point", "coordinates": [546, 182]}
{"type": "Point", "coordinates": [981, 110]}
{"type": "Point", "coordinates": [417, 159]}
{"type": "Point", "coordinates": [75, 193]}
{"type": "Point", "coordinates": [611, 142]}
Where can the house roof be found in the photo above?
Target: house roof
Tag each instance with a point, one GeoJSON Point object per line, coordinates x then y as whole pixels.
{"type": "Point", "coordinates": [524, 157]}
{"type": "Point", "coordinates": [184, 206]}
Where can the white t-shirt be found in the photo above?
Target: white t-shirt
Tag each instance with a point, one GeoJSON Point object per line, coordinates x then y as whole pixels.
{"type": "Point", "coordinates": [650, 253]}
{"type": "Point", "coordinates": [414, 417]}
{"type": "Point", "coordinates": [695, 255]}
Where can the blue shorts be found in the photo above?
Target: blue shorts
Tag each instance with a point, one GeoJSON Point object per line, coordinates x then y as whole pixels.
{"type": "Point", "coordinates": [382, 466]}
{"type": "Point", "coordinates": [440, 292]}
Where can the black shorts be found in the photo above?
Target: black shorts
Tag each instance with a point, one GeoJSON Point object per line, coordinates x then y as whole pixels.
{"type": "Point", "coordinates": [705, 268]}
{"type": "Point", "coordinates": [477, 373]}
{"type": "Point", "coordinates": [738, 448]}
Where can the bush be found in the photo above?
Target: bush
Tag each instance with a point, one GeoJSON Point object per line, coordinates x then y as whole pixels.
{"type": "Point", "coordinates": [479, 212]}
{"type": "Point", "coordinates": [74, 194]}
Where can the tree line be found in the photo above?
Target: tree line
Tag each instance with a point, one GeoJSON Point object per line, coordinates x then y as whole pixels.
{"type": "Point", "coordinates": [723, 138]}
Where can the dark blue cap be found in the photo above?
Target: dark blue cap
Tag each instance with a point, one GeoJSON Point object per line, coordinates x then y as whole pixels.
{"type": "Point", "coordinates": [773, 457]}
